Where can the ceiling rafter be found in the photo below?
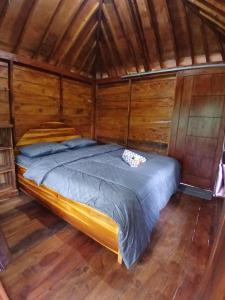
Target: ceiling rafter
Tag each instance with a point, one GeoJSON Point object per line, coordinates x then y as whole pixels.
{"type": "Point", "coordinates": [112, 31]}
{"type": "Point", "coordinates": [98, 32]}
{"type": "Point", "coordinates": [171, 27]}
{"type": "Point", "coordinates": [29, 13]}
{"type": "Point", "coordinates": [142, 43]}
{"type": "Point", "coordinates": [154, 24]}
{"type": "Point", "coordinates": [4, 11]}
{"type": "Point", "coordinates": [189, 36]}
{"type": "Point", "coordinates": [209, 12]}
{"type": "Point", "coordinates": [126, 37]}
{"type": "Point", "coordinates": [84, 42]}
{"type": "Point", "coordinates": [205, 43]}
{"type": "Point", "coordinates": [218, 33]}
{"type": "Point", "coordinates": [57, 9]}
{"type": "Point", "coordinates": [62, 37]}
{"type": "Point", "coordinates": [79, 30]}
{"type": "Point", "coordinates": [115, 61]}
{"type": "Point", "coordinates": [88, 55]}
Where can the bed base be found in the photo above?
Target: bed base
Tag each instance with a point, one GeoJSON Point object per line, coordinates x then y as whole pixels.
{"type": "Point", "coordinates": [90, 221]}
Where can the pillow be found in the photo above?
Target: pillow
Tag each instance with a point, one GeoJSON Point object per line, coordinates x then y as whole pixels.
{"type": "Point", "coordinates": [41, 149]}
{"type": "Point", "coordinates": [79, 143]}
{"type": "Point", "coordinates": [133, 159]}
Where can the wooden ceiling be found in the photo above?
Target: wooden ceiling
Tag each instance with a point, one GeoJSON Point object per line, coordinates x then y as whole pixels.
{"type": "Point", "coordinates": [111, 38]}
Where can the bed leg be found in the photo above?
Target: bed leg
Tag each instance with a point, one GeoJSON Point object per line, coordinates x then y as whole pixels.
{"type": "Point", "coordinates": [120, 259]}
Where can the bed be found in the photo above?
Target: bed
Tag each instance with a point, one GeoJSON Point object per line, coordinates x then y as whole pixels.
{"type": "Point", "coordinates": [97, 192]}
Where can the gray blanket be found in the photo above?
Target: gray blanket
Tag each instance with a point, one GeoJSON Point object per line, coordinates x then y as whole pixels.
{"type": "Point", "coordinates": [97, 176]}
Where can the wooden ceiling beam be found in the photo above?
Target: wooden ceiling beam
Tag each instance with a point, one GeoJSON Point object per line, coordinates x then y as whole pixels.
{"type": "Point", "coordinates": [114, 59]}
{"type": "Point", "coordinates": [62, 37]}
{"type": "Point", "coordinates": [79, 30]}
{"type": "Point", "coordinates": [138, 28]}
{"type": "Point", "coordinates": [189, 36]}
{"type": "Point", "coordinates": [56, 11]}
{"type": "Point", "coordinates": [21, 60]}
{"type": "Point", "coordinates": [153, 20]}
{"type": "Point", "coordinates": [27, 18]}
{"type": "Point", "coordinates": [113, 33]}
{"type": "Point", "coordinates": [88, 55]}
{"type": "Point", "coordinates": [171, 29]}
{"type": "Point", "coordinates": [205, 43]}
{"type": "Point", "coordinates": [209, 12]}
{"type": "Point", "coordinates": [98, 34]}
{"type": "Point", "coordinates": [84, 42]}
{"type": "Point", "coordinates": [91, 64]}
{"type": "Point", "coordinates": [3, 11]}
{"type": "Point", "coordinates": [126, 37]}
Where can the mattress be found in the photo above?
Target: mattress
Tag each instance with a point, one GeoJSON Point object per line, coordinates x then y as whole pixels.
{"type": "Point", "coordinates": [97, 176]}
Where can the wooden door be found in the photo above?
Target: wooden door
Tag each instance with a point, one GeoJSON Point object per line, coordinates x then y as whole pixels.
{"type": "Point", "coordinates": [198, 125]}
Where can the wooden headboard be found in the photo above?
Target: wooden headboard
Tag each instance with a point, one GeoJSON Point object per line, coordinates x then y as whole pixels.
{"type": "Point", "coordinates": [48, 132]}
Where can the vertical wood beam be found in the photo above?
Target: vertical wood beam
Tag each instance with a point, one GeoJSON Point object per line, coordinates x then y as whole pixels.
{"type": "Point", "coordinates": [129, 112]}
{"type": "Point", "coordinates": [205, 43]}
{"type": "Point", "coordinates": [11, 98]}
{"type": "Point", "coordinates": [61, 98]}
{"type": "Point", "coordinates": [94, 93]}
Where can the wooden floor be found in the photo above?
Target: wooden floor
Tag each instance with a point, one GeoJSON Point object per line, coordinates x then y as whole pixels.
{"type": "Point", "coordinates": [52, 260]}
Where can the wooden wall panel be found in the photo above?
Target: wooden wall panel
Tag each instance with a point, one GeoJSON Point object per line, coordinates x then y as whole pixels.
{"type": "Point", "coordinates": [152, 103]}
{"type": "Point", "coordinates": [199, 124]}
{"type": "Point", "coordinates": [77, 106]}
{"type": "Point", "coordinates": [36, 98]}
{"type": "Point", "coordinates": [112, 112]}
{"type": "Point", "coordinates": [145, 106]}
{"type": "Point", "coordinates": [4, 94]}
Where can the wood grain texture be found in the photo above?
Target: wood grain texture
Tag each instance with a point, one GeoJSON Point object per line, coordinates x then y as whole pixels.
{"type": "Point", "coordinates": [95, 224]}
{"type": "Point", "coordinates": [197, 137]}
{"type": "Point", "coordinates": [141, 34]}
{"type": "Point", "coordinates": [112, 112]}
{"type": "Point", "coordinates": [36, 98]}
{"type": "Point", "coordinates": [77, 106]}
{"type": "Point", "coordinates": [137, 114]}
{"type": "Point", "coordinates": [4, 93]}
{"type": "Point", "coordinates": [152, 103]}
{"type": "Point", "coordinates": [52, 260]}
{"type": "Point", "coordinates": [212, 285]}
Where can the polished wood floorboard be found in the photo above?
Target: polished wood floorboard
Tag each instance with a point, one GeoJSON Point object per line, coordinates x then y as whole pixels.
{"type": "Point", "coordinates": [52, 260]}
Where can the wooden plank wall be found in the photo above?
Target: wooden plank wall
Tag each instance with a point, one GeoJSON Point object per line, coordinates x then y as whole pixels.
{"type": "Point", "coordinates": [4, 94]}
{"type": "Point", "coordinates": [39, 96]}
{"type": "Point", "coordinates": [36, 98]}
{"type": "Point", "coordinates": [152, 103]}
{"type": "Point", "coordinates": [77, 106]}
{"type": "Point", "coordinates": [112, 112]}
{"type": "Point", "coordinates": [137, 113]}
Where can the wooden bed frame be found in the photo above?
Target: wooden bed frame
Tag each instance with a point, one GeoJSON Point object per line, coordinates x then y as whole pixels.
{"type": "Point", "coordinates": [95, 224]}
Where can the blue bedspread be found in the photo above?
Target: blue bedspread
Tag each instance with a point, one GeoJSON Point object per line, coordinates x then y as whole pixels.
{"type": "Point", "coordinates": [97, 176]}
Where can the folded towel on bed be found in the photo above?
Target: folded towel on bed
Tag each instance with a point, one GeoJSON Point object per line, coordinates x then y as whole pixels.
{"type": "Point", "coordinates": [133, 159]}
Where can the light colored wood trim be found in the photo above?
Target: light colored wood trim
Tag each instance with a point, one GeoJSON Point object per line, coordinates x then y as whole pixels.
{"type": "Point", "coordinates": [50, 132]}
{"type": "Point", "coordinates": [95, 224]}
{"type": "Point", "coordinates": [3, 295]}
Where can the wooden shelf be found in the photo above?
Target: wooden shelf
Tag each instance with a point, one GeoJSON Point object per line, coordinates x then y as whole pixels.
{"type": "Point", "coordinates": [6, 169]}
{"type": "Point", "coordinates": [7, 163]}
{"type": "Point", "coordinates": [5, 148]}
